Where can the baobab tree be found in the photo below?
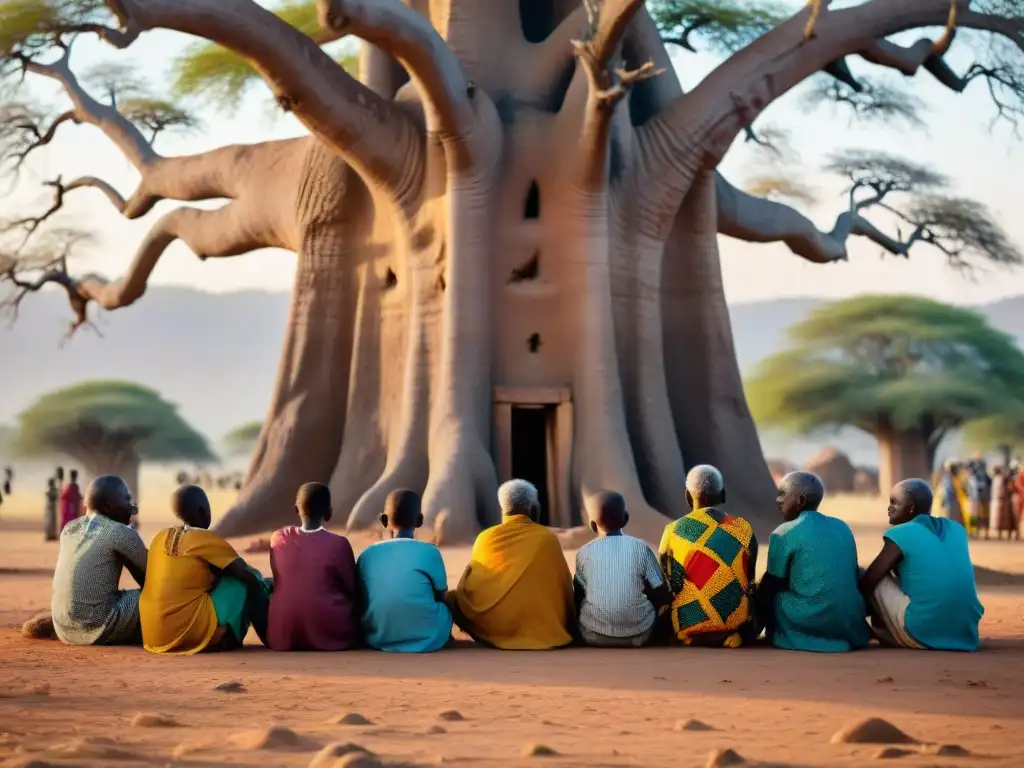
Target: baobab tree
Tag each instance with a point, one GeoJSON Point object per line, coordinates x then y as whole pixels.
{"type": "Point", "coordinates": [512, 194]}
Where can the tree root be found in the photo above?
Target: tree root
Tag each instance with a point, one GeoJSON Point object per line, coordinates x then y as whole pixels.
{"type": "Point", "coordinates": [461, 495]}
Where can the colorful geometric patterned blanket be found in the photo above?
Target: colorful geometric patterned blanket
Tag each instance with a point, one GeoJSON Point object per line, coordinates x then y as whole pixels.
{"type": "Point", "coordinates": [705, 563]}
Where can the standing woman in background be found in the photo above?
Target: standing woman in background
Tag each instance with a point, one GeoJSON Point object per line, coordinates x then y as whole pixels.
{"type": "Point", "coordinates": [50, 510]}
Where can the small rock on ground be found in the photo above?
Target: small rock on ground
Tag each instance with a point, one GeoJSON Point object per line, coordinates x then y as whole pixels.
{"type": "Point", "coordinates": [331, 755]}
{"type": "Point", "coordinates": [721, 758]}
{"type": "Point", "coordinates": [950, 750]}
{"type": "Point", "coordinates": [451, 716]}
{"type": "Point", "coordinates": [892, 753]}
{"type": "Point", "coordinates": [692, 725]}
{"type": "Point", "coordinates": [235, 686]}
{"type": "Point", "coordinates": [274, 737]}
{"type": "Point", "coordinates": [351, 718]}
{"type": "Point", "coordinates": [874, 730]}
{"type": "Point", "coordinates": [539, 750]}
{"type": "Point", "coordinates": [151, 720]}
{"type": "Point", "coordinates": [435, 730]}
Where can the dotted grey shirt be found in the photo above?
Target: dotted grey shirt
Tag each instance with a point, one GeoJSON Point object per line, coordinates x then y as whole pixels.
{"type": "Point", "coordinates": [614, 571]}
{"type": "Point", "coordinates": [87, 607]}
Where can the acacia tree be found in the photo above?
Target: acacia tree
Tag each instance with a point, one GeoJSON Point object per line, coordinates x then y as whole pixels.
{"type": "Point", "coordinates": [109, 427]}
{"type": "Point", "coordinates": [241, 440]}
{"type": "Point", "coordinates": [906, 370]}
{"type": "Point", "coordinates": [405, 205]}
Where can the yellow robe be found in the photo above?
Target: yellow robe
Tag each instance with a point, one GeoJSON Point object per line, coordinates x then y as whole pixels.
{"type": "Point", "coordinates": [516, 593]}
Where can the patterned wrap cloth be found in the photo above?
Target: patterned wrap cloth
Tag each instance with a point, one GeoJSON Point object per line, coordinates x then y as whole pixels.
{"type": "Point", "coordinates": [706, 564]}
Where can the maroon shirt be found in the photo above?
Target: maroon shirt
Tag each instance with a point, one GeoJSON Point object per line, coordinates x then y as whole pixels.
{"type": "Point", "coordinates": [313, 607]}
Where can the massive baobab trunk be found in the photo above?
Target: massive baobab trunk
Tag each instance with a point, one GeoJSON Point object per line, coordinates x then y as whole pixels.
{"type": "Point", "coordinates": [507, 229]}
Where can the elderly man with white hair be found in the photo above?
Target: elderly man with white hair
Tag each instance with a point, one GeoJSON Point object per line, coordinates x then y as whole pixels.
{"type": "Point", "coordinates": [516, 592]}
{"type": "Point", "coordinates": [709, 558]}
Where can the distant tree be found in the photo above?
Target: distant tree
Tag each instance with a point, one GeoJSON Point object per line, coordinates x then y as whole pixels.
{"type": "Point", "coordinates": [241, 440]}
{"type": "Point", "coordinates": [8, 434]}
{"type": "Point", "coordinates": [904, 369]}
{"type": "Point", "coordinates": [109, 427]}
{"type": "Point", "coordinates": [1003, 431]}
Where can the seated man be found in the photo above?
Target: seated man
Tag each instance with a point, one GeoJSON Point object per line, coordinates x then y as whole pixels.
{"type": "Point", "coordinates": [709, 560]}
{"type": "Point", "coordinates": [921, 586]}
{"type": "Point", "coordinates": [403, 584]}
{"type": "Point", "coordinates": [199, 594]}
{"type": "Point", "coordinates": [619, 587]}
{"type": "Point", "coordinates": [516, 593]}
{"type": "Point", "coordinates": [809, 600]}
{"type": "Point", "coordinates": [315, 589]}
{"type": "Point", "coordinates": [87, 607]}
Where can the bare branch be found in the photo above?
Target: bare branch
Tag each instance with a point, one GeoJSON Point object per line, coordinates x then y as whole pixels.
{"type": "Point", "coordinates": [24, 129]}
{"type": "Point", "coordinates": [870, 100]}
{"type": "Point", "coordinates": [376, 136]}
{"type": "Point", "coordinates": [411, 39]}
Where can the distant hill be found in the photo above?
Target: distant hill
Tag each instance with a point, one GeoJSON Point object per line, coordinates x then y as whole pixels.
{"type": "Point", "coordinates": [216, 354]}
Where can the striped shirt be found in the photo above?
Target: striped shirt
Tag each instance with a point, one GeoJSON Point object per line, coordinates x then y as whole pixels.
{"type": "Point", "coordinates": [87, 607]}
{"type": "Point", "coordinates": [614, 572]}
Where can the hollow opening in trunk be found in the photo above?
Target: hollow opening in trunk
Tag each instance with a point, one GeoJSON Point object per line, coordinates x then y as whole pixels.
{"type": "Point", "coordinates": [532, 208]}
{"type": "Point", "coordinates": [532, 428]}
{"type": "Point", "coordinates": [538, 19]}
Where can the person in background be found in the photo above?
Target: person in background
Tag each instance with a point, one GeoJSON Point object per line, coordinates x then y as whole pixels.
{"type": "Point", "coordinates": [403, 583]}
{"type": "Point", "coordinates": [70, 500]}
{"type": "Point", "coordinates": [619, 588]}
{"type": "Point", "coordinates": [947, 492]}
{"type": "Point", "coordinates": [808, 599]}
{"type": "Point", "coordinates": [87, 606]}
{"type": "Point", "coordinates": [315, 602]}
{"type": "Point", "coordinates": [979, 494]}
{"type": "Point", "coordinates": [199, 594]}
{"type": "Point", "coordinates": [709, 559]}
{"type": "Point", "coordinates": [516, 593]}
{"type": "Point", "coordinates": [8, 480]}
{"type": "Point", "coordinates": [1004, 516]}
{"type": "Point", "coordinates": [921, 586]}
{"type": "Point", "coordinates": [50, 531]}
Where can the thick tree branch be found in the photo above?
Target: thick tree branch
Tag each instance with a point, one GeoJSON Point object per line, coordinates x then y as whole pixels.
{"type": "Point", "coordinates": [758, 220]}
{"type": "Point", "coordinates": [698, 128]}
{"type": "Point", "coordinates": [237, 228]}
{"type": "Point", "coordinates": [374, 135]}
{"type": "Point", "coordinates": [411, 39]}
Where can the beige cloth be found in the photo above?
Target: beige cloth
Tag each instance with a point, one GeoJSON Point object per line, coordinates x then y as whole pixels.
{"type": "Point", "coordinates": [890, 605]}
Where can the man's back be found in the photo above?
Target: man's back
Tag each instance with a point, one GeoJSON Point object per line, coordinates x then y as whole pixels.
{"type": "Point", "coordinates": [93, 550]}
{"type": "Point", "coordinates": [315, 592]}
{"type": "Point", "coordinates": [400, 581]}
{"type": "Point", "coordinates": [937, 575]}
{"type": "Point", "coordinates": [615, 573]}
{"type": "Point", "coordinates": [822, 609]}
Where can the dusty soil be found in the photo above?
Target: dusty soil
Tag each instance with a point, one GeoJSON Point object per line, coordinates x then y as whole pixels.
{"type": "Point", "coordinates": [63, 706]}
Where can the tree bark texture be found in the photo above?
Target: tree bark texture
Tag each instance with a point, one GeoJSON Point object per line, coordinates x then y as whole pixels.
{"type": "Point", "coordinates": [902, 454]}
{"type": "Point", "coordinates": [485, 137]}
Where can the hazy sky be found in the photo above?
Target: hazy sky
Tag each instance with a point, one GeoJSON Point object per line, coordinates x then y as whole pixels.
{"type": "Point", "coordinates": [985, 162]}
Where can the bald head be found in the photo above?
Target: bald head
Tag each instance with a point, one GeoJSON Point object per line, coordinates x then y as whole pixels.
{"type": "Point", "coordinates": [313, 505]}
{"type": "Point", "coordinates": [108, 495]}
{"type": "Point", "coordinates": [705, 487]}
{"type": "Point", "coordinates": [190, 505]}
{"type": "Point", "coordinates": [519, 497]}
{"type": "Point", "coordinates": [609, 512]}
{"type": "Point", "coordinates": [909, 499]}
{"type": "Point", "coordinates": [402, 511]}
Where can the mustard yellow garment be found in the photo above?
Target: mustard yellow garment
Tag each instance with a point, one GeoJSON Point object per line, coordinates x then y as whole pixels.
{"type": "Point", "coordinates": [175, 608]}
{"type": "Point", "coordinates": [516, 593]}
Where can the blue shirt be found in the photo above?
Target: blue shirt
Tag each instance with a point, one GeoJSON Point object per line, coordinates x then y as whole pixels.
{"type": "Point", "coordinates": [822, 609]}
{"type": "Point", "coordinates": [398, 579]}
{"type": "Point", "coordinates": [936, 573]}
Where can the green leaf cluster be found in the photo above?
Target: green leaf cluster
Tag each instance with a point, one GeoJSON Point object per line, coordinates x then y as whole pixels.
{"type": "Point", "coordinates": [122, 410]}
{"type": "Point", "coordinates": [30, 25]}
{"type": "Point", "coordinates": [724, 26]}
{"type": "Point", "coordinates": [901, 361]}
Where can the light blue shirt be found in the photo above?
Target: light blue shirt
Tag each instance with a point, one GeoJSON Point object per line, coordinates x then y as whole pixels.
{"type": "Point", "coordinates": [822, 609]}
{"type": "Point", "coordinates": [936, 573]}
{"type": "Point", "coordinates": [398, 579]}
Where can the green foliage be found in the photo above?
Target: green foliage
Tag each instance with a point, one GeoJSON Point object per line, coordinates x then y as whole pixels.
{"type": "Point", "coordinates": [1004, 428]}
{"type": "Point", "coordinates": [725, 26]}
{"type": "Point", "coordinates": [902, 361]}
{"type": "Point", "coordinates": [8, 435]}
{"type": "Point", "coordinates": [119, 410]}
{"type": "Point", "coordinates": [241, 440]}
{"type": "Point", "coordinates": [31, 25]}
{"type": "Point", "coordinates": [221, 78]}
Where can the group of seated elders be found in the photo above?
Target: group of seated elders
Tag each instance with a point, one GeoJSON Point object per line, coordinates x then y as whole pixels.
{"type": "Point", "coordinates": [517, 592]}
